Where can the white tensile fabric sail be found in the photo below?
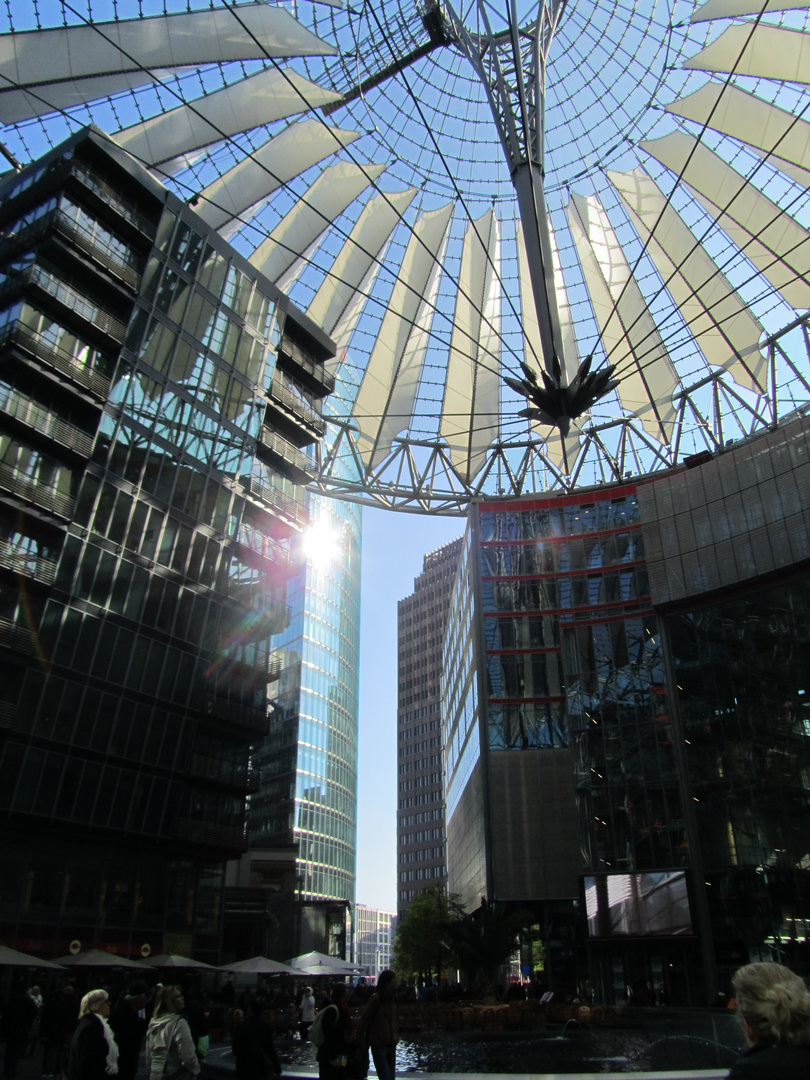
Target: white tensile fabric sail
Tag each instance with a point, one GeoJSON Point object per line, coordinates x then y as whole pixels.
{"type": "Point", "coordinates": [342, 295]}
{"type": "Point", "coordinates": [249, 31]}
{"type": "Point", "coordinates": [325, 200]}
{"type": "Point", "coordinates": [259, 99]}
{"type": "Point", "coordinates": [84, 63]}
{"type": "Point", "coordinates": [776, 244]}
{"type": "Point", "coordinates": [728, 9]}
{"type": "Point", "coordinates": [555, 449]}
{"type": "Point", "coordinates": [751, 120]}
{"type": "Point", "coordinates": [726, 332]}
{"type": "Point", "coordinates": [769, 52]}
{"type": "Point", "coordinates": [244, 187]}
{"type": "Point", "coordinates": [630, 337]}
{"type": "Point", "coordinates": [385, 399]}
{"type": "Point", "coordinates": [469, 420]}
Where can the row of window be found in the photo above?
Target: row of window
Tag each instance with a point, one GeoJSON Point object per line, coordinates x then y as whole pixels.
{"type": "Point", "coordinates": [420, 800]}
{"type": "Point", "coordinates": [421, 855]}
{"type": "Point", "coordinates": [419, 818]}
{"type": "Point", "coordinates": [424, 873]}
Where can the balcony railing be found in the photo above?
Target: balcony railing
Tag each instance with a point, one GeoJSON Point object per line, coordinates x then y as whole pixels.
{"type": "Point", "coordinates": [40, 494]}
{"type": "Point", "coordinates": [289, 508]}
{"type": "Point", "coordinates": [78, 303]}
{"type": "Point", "coordinates": [113, 200]}
{"type": "Point", "coordinates": [127, 270]}
{"type": "Point", "coordinates": [17, 638]}
{"type": "Point", "coordinates": [266, 546]}
{"type": "Point", "coordinates": [205, 832]}
{"type": "Point", "coordinates": [305, 360]}
{"type": "Point", "coordinates": [293, 403]}
{"type": "Point", "coordinates": [253, 719]}
{"type": "Point", "coordinates": [285, 451]}
{"type": "Point", "coordinates": [27, 563]}
{"type": "Point", "coordinates": [57, 358]}
{"type": "Point", "coordinates": [20, 408]}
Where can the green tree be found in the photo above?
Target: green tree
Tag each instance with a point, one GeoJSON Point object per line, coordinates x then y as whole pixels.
{"type": "Point", "coordinates": [484, 940]}
{"type": "Point", "coordinates": [422, 946]}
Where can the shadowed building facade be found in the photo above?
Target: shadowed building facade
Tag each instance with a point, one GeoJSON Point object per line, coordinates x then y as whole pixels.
{"type": "Point", "coordinates": [159, 395]}
{"type": "Point", "coordinates": [627, 737]}
{"type": "Point", "coordinates": [420, 796]}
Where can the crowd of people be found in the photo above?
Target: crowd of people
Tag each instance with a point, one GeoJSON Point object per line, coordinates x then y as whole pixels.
{"type": "Point", "coordinates": [96, 1038]}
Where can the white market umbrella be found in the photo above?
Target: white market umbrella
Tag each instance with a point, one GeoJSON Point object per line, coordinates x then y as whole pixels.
{"type": "Point", "coordinates": [180, 963]}
{"type": "Point", "coordinates": [317, 963]}
{"type": "Point", "coordinates": [13, 958]}
{"type": "Point", "coordinates": [257, 965]}
{"type": "Point", "coordinates": [99, 958]}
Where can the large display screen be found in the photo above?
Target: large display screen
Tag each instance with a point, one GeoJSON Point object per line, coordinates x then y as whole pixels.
{"type": "Point", "coordinates": [637, 904]}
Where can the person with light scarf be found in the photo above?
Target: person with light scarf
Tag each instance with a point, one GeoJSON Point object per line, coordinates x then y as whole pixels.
{"type": "Point", "coordinates": [93, 1050]}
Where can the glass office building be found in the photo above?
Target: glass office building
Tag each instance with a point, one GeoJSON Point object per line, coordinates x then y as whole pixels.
{"type": "Point", "coordinates": [627, 746]}
{"type": "Point", "coordinates": [159, 396]}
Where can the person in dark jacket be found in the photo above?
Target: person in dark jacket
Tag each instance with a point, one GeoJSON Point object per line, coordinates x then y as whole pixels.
{"type": "Point", "coordinates": [380, 1025]}
{"type": "Point", "coordinates": [60, 1015]}
{"type": "Point", "coordinates": [333, 1053]}
{"type": "Point", "coordinates": [253, 1045]}
{"type": "Point", "coordinates": [773, 1005]}
{"type": "Point", "coordinates": [93, 1050]}
{"type": "Point", "coordinates": [128, 1024]}
{"type": "Point", "coordinates": [17, 1016]}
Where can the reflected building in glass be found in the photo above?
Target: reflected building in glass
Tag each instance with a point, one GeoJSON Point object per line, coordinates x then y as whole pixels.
{"type": "Point", "coordinates": [159, 399]}
{"type": "Point", "coordinates": [627, 724]}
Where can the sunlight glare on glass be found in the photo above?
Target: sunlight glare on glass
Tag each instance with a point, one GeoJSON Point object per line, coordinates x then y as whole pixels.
{"type": "Point", "coordinates": [322, 544]}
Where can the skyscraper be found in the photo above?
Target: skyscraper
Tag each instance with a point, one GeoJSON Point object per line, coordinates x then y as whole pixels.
{"type": "Point", "coordinates": [627, 748]}
{"type": "Point", "coordinates": [421, 621]}
{"type": "Point", "coordinates": [294, 889]}
{"type": "Point", "coordinates": [158, 398]}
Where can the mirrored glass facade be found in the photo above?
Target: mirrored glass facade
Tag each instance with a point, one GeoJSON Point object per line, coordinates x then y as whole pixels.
{"type": "Point", "coordinates": [158, 394]}
{"type": "Point", "coordinates": [641, 652]}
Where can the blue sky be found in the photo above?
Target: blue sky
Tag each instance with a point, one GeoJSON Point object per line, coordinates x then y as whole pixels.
{"type": "Point", "coordinates": [394, 545]}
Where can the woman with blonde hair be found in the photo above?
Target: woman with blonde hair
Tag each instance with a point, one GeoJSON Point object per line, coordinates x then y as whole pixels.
{"type": "Point", "coordinates": [93, 1051]}
{"type": "Point", "coordinates": [773, 1004]}
{"type": "Point", "coordinates": [170, 1050]}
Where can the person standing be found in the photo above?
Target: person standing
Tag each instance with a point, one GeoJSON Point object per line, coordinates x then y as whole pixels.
{"type": "Point", "coordinates": [773, 1005]}
{"type": "Point", "coordinates": [15, 1023]}
{"type": "Point", "coordinates": [129, 1027]}
{"type": "Point", "coordinates": [307, 1012]}
{"type": "Point", "coordinates": [380, 1025]}
{"type": "Point", "coordinates": [60, 1014]}
{"type": "Point", "coordinates": [253, 1045]}
{"type": "Point", "coordinates": [333, 1052]}
{"type": "Point", "coordinates": [93, 1051]}
{"type": "Point", "coordinates": [169, 1045]}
